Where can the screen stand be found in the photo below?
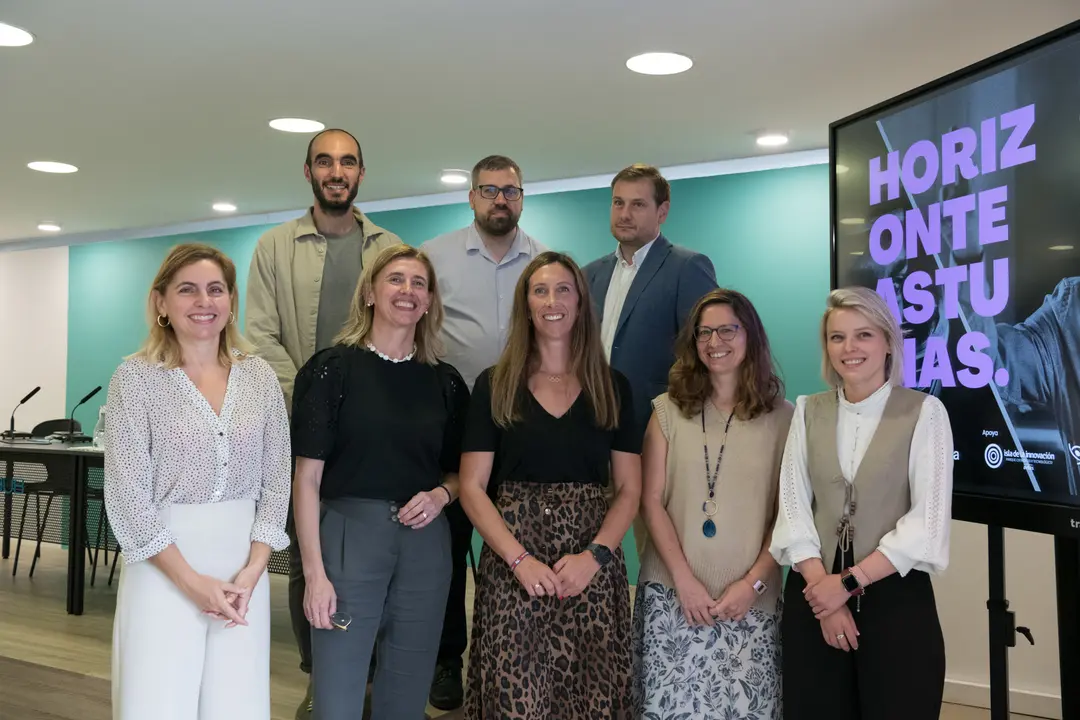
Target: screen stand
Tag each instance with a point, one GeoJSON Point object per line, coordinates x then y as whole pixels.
{"type": "Point", "coordinates": [1002, 625]}
{"type": "Point", "coordinates": [1067, 569]}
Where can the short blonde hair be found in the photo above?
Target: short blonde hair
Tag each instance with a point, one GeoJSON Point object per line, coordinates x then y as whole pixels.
{"type": "Point", "coordinates": [162, 346]}
{"type": "Point", "coordinates": [429, 347]}
{"type": "Point", "coordinates": [871, 305]}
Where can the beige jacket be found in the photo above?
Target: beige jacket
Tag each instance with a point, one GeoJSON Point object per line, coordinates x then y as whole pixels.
{"type": "Point", "coordinates": [283, 291]}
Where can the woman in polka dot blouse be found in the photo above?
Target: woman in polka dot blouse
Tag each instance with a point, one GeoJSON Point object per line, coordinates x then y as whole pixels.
{"type": "Point", "coordinates": [197, 482]}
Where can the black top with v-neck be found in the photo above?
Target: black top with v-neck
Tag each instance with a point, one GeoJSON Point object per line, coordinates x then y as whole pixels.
{"type": "Point", "coordinates": [542, 448]}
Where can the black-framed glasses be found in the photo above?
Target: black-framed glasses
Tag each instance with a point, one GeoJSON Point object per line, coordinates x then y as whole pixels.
{"type": "Point", "coordinates": [726, 332]}
{"type": "Point", "coordinates": [510, 192]}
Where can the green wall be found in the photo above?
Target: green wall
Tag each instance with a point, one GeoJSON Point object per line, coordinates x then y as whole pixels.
{"type": "Point", "coordinates": [766, 232]}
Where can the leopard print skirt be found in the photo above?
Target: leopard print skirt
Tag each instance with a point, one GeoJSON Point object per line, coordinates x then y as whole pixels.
{"type": "Point", "coordinates": [544, 658]}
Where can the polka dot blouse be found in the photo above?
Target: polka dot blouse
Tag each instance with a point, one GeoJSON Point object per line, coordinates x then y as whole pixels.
{"type": "Point", "coordinates": [165, 445]}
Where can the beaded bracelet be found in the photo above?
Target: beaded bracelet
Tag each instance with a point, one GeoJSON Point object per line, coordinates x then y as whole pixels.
{"type": "Point", "coordinates": [522, 556]}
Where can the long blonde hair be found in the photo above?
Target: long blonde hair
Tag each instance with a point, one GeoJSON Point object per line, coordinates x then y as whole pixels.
{"type": "Point", "coordinates": [357, 328]}
{"type": "Point", "coordinates": [871, 305]}
{"type": "Point", "coordinates": [509, 381]}
{"type": "Point", "coordinates": [161, 345]}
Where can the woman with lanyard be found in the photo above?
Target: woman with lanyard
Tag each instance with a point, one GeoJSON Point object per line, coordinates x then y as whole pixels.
{"type": "Point", "coordinates": [708, 596]}
{"type": "Point", "coordinates": [865, 507]}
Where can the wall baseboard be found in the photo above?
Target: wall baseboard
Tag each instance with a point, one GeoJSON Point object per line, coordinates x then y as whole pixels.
{"type": "Point", "coordinates": [1023, 702]}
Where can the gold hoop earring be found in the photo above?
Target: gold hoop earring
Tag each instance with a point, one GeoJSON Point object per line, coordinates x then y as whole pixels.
{"type": "Point", "coordinates": [232, 318]}
{"type": "Point", "coordinates": [163, 324]}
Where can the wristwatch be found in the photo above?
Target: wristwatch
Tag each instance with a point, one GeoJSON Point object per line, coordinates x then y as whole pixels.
{"type": "Point", "coordinates": [851, 583]}
{"type": "Point", "coordinates": [760, 587]}
{"type": "Point", "coordinates": [601, 553]}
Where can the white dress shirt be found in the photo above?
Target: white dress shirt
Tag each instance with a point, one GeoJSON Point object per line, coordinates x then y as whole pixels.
{"type": "Point", "coordinates": [477, 294]}
{"type": "Point", "coordinates": [165, 445]}
{"type": "Point", "coordinates": [622, 277]}
{"type": "Point", "coordinates": [920, 540]}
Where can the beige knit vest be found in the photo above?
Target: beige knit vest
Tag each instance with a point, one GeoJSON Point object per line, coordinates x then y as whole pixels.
{"type": "Point", "coordinates": [882, 490]}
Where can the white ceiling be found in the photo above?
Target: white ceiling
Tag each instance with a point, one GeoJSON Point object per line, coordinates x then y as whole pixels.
{"type": "Point", "coordinates": [164, 106]}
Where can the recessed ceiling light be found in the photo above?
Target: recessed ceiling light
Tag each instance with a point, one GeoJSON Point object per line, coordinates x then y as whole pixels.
{"type": "Point", "coordinates": [224, 207]}
{"type": "Point", "coordinates": [852, 221]}
{"type": "Point", "coordinates": [48, 227]}
{"type": "Point", "coordinates": [659, 63]}
{"type": "Point", "coordinates": [455, 177]}
{"type": "Point", "coordinates": [11, 36]}
{"type": "Point", "coordinates": [296, 125]}
{"type": "Point", "coordinates": [772, 140]}
{"type": "Point", "coordinates": [1061, 247]}
{"type": "Point", "coordinates": [841, 169]}
{"type": "Point", "coordinates": [51, 167]}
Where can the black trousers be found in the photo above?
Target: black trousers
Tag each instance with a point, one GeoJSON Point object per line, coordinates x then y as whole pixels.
{"type": "Point", "coordinates": [898, 672]}
{"type": "Point", "coordinates": [454, 634]}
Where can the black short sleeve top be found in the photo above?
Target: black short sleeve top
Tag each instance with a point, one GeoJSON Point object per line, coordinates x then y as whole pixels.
{"type": "Point", "coordinates": [385, 430]}
{"type": "Point", "coordinates": [545, 448]}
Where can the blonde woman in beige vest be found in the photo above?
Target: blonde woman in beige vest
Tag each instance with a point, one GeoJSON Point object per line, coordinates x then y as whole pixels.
{"type": "Point", "coordinates": [707, 615]}
{"type": "Point", "coordinates": [865, 505]}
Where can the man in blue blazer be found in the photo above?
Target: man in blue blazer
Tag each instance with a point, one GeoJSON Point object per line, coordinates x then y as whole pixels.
{"type": "Point", "coordinates": [645, 290]}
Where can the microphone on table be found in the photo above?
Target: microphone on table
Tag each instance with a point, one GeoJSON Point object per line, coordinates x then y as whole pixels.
{"type": "Point", "coordinates": [71, 436]}
{"type": "Point", "coordinates": [11, 434]}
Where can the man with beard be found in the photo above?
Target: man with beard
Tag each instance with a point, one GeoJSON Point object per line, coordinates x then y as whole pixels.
{"type": "Point", "coordinates": [478, 268]}
{"type": "Point", "coordinates": [300, 285]}
{"type": "Point", "coordinates": [644, 291]}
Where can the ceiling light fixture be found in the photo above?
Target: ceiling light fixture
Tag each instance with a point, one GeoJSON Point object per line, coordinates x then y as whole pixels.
{"type": "Point", "coordinates": [455, 177]}
{"type": "Point", "coordinates": [1061, 247]}
{"type": "Point", "coordinates": [852, 221]}
{"type": "Point", "coordinates": [659, 63]}
{"type": "Point", "coordinates": [48, 227]}
{"type": "Point", "coordinates": [224, 207]}
{"type": "Point", "coordinates": [11, 36]}
{"type": "Point", "coordinates": [772, 140]}
{"type": "Point", "coordinates": [48, 166]}
{"type": "Point", "coordinates": [296, 125]}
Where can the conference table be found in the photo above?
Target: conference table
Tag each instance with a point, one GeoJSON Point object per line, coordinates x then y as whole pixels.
{"type": "Point", "coordinates": [67, 467]}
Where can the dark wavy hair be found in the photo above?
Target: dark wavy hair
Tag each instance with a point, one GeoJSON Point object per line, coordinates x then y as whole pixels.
{"type": "Point", "coordinates": [760, 387]}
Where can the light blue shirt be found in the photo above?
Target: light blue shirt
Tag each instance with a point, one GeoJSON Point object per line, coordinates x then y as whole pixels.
{"type": "Point", "coordinates": [477, 294]}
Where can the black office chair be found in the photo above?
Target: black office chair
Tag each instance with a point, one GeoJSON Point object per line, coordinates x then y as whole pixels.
{"type": "Point", "coordinates": [41, 430]}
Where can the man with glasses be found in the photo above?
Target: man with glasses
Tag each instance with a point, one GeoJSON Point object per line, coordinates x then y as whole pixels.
{"type": "Point", "coordinates": [478, 268]}
{"type": "Point", "coordinates": [644, 291]}
{"type": "Point", "coordinates": [300, 286]}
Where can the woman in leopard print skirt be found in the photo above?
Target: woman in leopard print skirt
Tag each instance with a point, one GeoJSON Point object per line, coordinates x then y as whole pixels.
{"type": "Point", "coordinates": [549, 425]}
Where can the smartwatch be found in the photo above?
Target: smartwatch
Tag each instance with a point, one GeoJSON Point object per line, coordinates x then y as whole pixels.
{"type": "Point", "coordinates": [601, 553]}
{"type": "Point", "coordinates": [760, 587]}
{"type": "Point", "coordinates": [851, 583]}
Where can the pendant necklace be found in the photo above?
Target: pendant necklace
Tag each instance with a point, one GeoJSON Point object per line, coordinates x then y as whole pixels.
{"type": "Point", "coordinates": [709, 507]}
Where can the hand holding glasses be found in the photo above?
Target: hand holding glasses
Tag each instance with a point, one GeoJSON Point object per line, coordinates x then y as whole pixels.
{"type": "Point", "coordinates": [341, 621]}
{"type": "Point", "coordinates": [491, 192]}
{"type": "Point", "coordinates": [704, 333]}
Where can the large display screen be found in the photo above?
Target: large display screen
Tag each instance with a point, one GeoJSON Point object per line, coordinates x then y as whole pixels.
{"type": "Point", "coordinates": [960, 205]}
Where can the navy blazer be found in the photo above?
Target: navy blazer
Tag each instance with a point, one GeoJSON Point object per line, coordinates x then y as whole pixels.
{"type": "Point", "coordinates": [668, 284]}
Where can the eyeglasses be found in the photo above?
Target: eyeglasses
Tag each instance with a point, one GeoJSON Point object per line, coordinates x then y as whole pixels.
{"type": "Point", "coordinates": [726, 332]}
{"type": "Point", "coordinates": [510, 192]}
{"type": "Point", "coordinates": [341, 621]}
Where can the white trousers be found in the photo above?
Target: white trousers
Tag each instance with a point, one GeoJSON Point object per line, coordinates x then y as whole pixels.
{"type": "Point", "coordinates": [172, 662]}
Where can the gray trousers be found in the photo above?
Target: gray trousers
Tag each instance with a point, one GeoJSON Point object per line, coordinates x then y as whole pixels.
{"type": "Point", "coordinates": [394, 582]}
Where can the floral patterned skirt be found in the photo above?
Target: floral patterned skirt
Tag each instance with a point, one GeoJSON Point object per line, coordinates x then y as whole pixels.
{"type": "Point", "coordinates": [729, 671]}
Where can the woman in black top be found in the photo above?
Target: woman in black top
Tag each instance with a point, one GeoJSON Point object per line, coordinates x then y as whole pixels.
{"type": "Point", "coordinates": [551, 623]}
{"type": "Point", "coordinates": [377, 435]}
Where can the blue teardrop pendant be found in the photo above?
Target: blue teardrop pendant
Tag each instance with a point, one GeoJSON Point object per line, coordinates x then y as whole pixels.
{"type": "Point", "coordinates": [709, 528]}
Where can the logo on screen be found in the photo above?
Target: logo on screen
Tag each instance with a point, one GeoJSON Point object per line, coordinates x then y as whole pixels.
{"type": "Point", "coordinates": [993, 455]}
{"type": "Point", "coordinates": [1074, 450]}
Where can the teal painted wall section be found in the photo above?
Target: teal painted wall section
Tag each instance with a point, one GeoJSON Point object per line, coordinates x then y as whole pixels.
{"type": "Point", "coordinates": [766, 232]}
